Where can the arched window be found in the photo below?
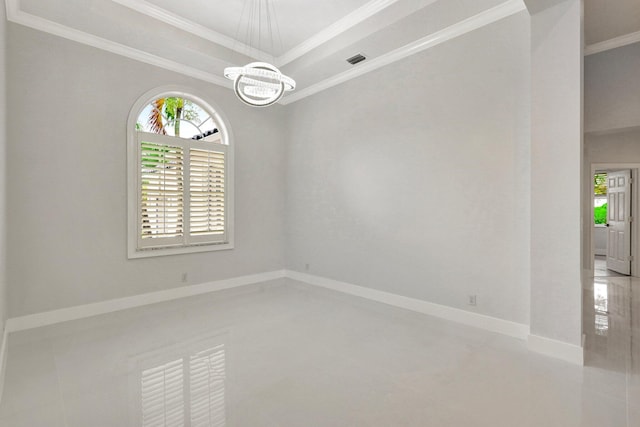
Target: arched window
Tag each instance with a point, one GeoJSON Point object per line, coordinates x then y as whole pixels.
{"type": "Point", "coordinates": [180, 162]}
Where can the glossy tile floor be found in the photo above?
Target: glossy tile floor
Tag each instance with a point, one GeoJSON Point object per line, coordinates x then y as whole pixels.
{"type": "Point", "coordinates": [611, 313]}
{"type": "Point", "coordinates": [600, 268]}
{"type": "Point", "coordinates": [287, 354]}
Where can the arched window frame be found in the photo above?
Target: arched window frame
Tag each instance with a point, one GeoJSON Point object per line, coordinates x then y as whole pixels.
{"type": "Point", "coordinates": [134, 247]}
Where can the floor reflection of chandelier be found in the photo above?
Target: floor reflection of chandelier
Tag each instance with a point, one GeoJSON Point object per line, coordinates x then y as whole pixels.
{"type": "Point", "coordinates": [259, 84]}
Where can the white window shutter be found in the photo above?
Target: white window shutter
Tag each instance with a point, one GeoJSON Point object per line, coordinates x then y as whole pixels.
{"type": "Point", "coordinates": [183, 189]}
{"type": "Point", "coordinates": [207, 208]}
{"type": "Point", "coordinates": [161, 194]}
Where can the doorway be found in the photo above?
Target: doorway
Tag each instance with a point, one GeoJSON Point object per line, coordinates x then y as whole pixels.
{"type": "Point", "coordinates": [613, 202]}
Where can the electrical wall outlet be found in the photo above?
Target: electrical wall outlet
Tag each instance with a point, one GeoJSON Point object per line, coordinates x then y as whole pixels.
{"type": "Point", "coordinates": [184, 277]}
{"type": "Point", "coordinates": [472, 300]}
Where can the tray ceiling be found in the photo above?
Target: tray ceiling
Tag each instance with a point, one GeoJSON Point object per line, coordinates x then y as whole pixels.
{"type": "Point", "coordinates": [200, 38]}
{"type": "Point", "coordinates": [298, 20]}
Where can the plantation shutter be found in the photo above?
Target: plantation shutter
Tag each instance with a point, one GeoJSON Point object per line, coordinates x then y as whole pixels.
{"type": "Point", "coordinates": [207, 387]}
{"type": "Point", "coordinates": [161, 194]}
{"type": "Point", "coordinates": [163, 395]}
{"type": "Point", "coordinates": [182, 191]}
{"type": "Point", "coordinates": [207, 208]}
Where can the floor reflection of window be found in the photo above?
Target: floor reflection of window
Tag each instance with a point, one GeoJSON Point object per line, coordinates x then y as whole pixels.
{"type": "Point", "coordinates": [601, 305]}
{"type": "Point", "coordinates": [207, 376]}
{"type": "Point", "coordinates": [600, 297]}
{"type": "Point", "coordinates": [162, 395]}
{"type": "Point", "coordinates": [602, 324]}
{"type": "Point", "coordinates": [168, 400]}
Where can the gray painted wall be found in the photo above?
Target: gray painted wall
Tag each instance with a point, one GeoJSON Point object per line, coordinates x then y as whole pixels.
{"type": "Point", "coordinates": [556, 166]}
{"type": "Point", "coordinates": [599, 240]}
{"type": "Point", "coordinates": [67, 168]}
{"type": "Point", "coordinates": [3, 169]}
{"type": "Point", "coordinates": [414, 179]}
{"type": "Point", "coordinates": [612, 89]}
{"type": "Point", "coordinates": [618, 147]}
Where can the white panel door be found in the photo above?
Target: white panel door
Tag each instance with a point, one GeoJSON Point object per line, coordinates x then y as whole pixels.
{"type": "Point", "coordinates": [619, 221]}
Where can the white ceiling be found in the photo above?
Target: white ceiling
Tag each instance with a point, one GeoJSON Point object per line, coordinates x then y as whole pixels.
{"type": "Point", "coordinates": [298, 19]}
{"type": "Point", "coordinates": [608, 19]}
{"type": "Point", "coordinates": [198, 37]}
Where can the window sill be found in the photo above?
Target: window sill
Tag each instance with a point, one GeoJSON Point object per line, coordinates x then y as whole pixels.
{"type": "Point", "coordinates": [149, 253]}
{"type": "Point", "coordinates": [600, 226]}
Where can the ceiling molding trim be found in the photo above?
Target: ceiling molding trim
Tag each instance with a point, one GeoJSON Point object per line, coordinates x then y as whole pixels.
{"type": "Point", "coordinates": [11, 8]}
{"type": "Point", "coordinates": [163, 15]}
{"type": "Point", "coordinates": [334, 30]}
{"type": "Point", "coordinates": [489, 16]}
{"type": "Point", "coordinates": [613, 43]}
{"type": "Point", "coordinates": [337, 28]}
{"type": "Point", "coordinates": [611, 131]}
{"type": "Point", "coordinates": [508, 8]}
{"type": "Point", "coordinates": [14, 14]}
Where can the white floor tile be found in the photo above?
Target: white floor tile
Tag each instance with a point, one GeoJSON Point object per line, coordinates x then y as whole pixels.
{"type": "Point", "coordinates": [38, 416]}
{"type": "Point", "coordinates": [31, 379]}
{"type": "Point", "coordinates": [287, 354]}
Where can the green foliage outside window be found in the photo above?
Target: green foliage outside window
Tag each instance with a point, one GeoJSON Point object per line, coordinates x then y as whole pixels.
{"type": "Point", "coordinates": [600, 189]}
{"type": "Point", "coordinates": [173, 110]}
{"type": "Point", "coordinates": [600, 214]}
{"type": "Point", "coordinates": [600, 184]}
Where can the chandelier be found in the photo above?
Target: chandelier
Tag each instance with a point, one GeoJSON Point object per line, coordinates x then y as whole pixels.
{"type": "Point", "coordinates": [259, 84]}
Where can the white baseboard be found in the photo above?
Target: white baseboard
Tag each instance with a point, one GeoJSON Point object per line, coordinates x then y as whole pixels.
{"type": "Point", "coordinates": [549, 347]}
{"type": "Point", "coordinates": [558, 349]}
{"type": "Point", "coordinates": [493, 324]}
{"type": "Point", "coordinates": [30, 321]}
{"type": "Point", "coordinates": [3, 357]}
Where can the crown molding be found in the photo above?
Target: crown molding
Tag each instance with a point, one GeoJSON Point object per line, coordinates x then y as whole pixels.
{"type": "Point", "coordinates": [163, 15]}
{"type": "Point", "coordinates": [14, 14]}
{"type": "Point", "coordinates": [337, 28]}
{"type": "Point", "coordinates": [611, 131]}
{"type": "Point", "coordinates": [489, 16]}
{"type": "Point", "coordinates": [508, 8]}
{"type": "Point", "coordinates": [613, 43]}
{"type": "Point", "coordinates": [11, 8]}
{"type": "Point", "coordinates": [334, 30]}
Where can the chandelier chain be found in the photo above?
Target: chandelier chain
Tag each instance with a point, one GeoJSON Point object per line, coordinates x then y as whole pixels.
{"type": "Point", "coordinates": [259, 84]}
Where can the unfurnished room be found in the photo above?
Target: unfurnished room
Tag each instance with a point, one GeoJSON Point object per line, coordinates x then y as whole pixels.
{"type": "Point", "coordinates": [298, 213]}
